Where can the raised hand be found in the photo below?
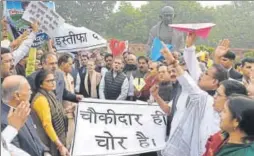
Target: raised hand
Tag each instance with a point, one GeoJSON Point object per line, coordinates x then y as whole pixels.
{"type": "Point", "coordinates": [18, 117]}
{"type": "Point", "coordinates": [222, 48]}
{"type": "Point", "coordinates": [190, 39]}
{"type": "Point", "coordinates": [167, 54]}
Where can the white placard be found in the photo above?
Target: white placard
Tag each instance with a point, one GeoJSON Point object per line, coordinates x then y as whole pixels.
{"type": "Point", "coordinates": [69, 38]}
{"type": "Point", "coordinates": [106, 127]}
{"type": "Point", "coordinates": [49, 20]}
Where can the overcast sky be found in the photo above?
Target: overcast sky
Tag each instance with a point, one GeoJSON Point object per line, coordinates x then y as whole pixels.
{"type": "Point", "coordinates": [203, 3]}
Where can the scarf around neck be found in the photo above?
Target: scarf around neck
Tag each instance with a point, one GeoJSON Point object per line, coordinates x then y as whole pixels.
{"type": "Point", "coordinates": [57, 113]}
{"type": "Point", "coordinates": [95, 79]}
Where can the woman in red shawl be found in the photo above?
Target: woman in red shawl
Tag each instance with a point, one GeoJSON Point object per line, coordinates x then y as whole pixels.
{"type": "Point", "coordinates": [237, 136]}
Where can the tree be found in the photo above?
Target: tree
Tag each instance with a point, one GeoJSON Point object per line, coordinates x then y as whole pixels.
{"type": "Point", "coordinates": [234, 24]}
{"type": "Point", "coordinates": [249, 54]}
{"type": "Point", "coordinates": [127, 24]}
{"type": "Point", "coordinates": [233, 21]}
{"type": "Point", "coordinates": [90, 14]}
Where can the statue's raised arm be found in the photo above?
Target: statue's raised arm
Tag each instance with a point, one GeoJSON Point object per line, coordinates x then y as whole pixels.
{"type": "Point", "coordinates": [165, 33]}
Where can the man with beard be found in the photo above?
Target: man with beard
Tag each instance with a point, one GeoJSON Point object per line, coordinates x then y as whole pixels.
{"type": "Point", "coordinates": [49, 62]}
{"type": "Point", "coordinates": [10, 59]}
{"type": "Point", "coordinates": [195, 119]}
{"type": "Point", "coordinates": [129, 69]}
{"type": "Point", "coordinates": [7, 63]}
{"type": "Point", "coordinates": [114, 85]}
{"type": "Point", "coordinates": [142, 67]}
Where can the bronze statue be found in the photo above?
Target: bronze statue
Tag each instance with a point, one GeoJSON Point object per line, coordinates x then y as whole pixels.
{"type": "Point", "coordinates": [165, 33]}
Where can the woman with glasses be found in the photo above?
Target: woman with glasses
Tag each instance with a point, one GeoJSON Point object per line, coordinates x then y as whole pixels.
{"type": "Point", "coordinates": [48, 114]}
{"type": "Point", "coordinates": [237, 135]}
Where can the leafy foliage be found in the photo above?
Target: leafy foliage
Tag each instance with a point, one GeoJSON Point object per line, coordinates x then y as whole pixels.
{"type": "Point", "coordinates": [204, 48]}
{"type": "Point", "coordinates": [234, 21]}
{"type": "Point", "coordinates": [249, 54]}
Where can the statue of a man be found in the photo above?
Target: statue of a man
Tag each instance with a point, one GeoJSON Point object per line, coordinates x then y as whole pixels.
{"type": "Point", "coordinates": [165, 33]}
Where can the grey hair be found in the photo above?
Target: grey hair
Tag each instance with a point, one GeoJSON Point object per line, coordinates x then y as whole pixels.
{"type": "Point", "coordinates": [7, 92]}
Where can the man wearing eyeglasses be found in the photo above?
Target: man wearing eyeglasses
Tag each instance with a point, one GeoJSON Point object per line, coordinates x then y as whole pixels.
{"type": "Point", "coordinates": [226, 89]}
{"type": "Point", "coordinates": [16, 91]}
{"type": "Point", "coordinates": [49, 62]}
{"type": "Point", "coordinates": [195, 118]}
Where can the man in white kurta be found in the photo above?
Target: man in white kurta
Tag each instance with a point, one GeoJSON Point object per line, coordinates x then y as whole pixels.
{"type": "Point", "coordinates": [195, 119]}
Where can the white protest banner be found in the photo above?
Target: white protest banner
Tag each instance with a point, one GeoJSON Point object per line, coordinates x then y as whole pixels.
{"type": "Point", "coordinates": [107, 127]}
{"type": "Point", "coordinates": [69, 38]}
{"type": "Point", "coordinates": [49, 20]}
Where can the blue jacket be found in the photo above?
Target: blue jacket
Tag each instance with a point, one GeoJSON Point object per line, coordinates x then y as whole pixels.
{"type": "Point", "coordinates": [27, 138]}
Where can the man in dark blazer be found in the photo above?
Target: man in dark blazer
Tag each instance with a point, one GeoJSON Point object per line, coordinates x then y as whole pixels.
{"type": "Point", "coordinates": [82, 71]}
{"type": "Point", "coordinates": [15, 90]}
{"type": "Point", "coordinates": [49, 62]}
{"type": "Point", "coordinates": [227, 61]}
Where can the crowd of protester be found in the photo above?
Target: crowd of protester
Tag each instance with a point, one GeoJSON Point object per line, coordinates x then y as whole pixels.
{"type": "Point", "coordinates": [209, 101]}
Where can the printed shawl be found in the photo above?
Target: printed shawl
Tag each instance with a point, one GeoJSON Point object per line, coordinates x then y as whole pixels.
{"type": "Point", "coordinates": [184, 141]}
{"type": "Point", "coordinates": [57, 114]}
